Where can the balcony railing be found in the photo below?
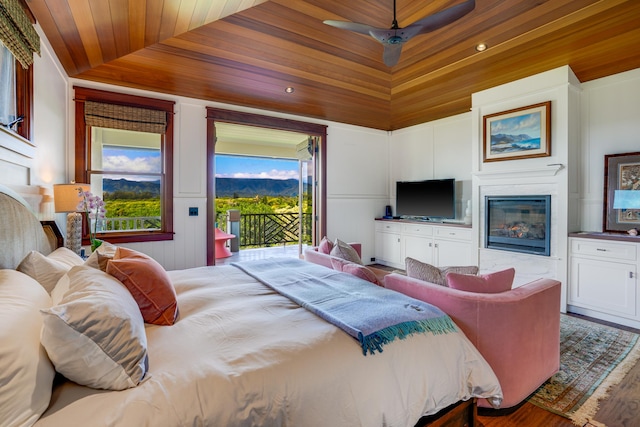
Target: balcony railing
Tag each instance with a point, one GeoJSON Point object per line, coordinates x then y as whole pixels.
{"type": "Point", "coordinates": [256, 230]}
{"type": "Point", "coordinates": [129, 223]}
{"type": "Point", "coordinates": [262, 230]}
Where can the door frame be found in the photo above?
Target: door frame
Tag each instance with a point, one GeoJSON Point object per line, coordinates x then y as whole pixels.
{"type": "Point", "coordinates": [241, 118]}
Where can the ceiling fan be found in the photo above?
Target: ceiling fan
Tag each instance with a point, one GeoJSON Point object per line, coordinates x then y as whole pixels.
{"type": "Point", "coordinates": [392, 39]}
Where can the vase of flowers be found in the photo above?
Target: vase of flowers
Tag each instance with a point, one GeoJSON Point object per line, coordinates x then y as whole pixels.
{"type": "Point", "coordinates": [94, 210]}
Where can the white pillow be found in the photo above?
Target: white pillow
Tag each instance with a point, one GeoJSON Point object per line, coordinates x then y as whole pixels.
{"type": "Point", "coordinates": [26, 374]}
{"type": "Point", "coordinates": [60, 289]}
{"type": "Point", "coordinates": [47, 270]}
{"type": "Point", "coordinates": [100, 257]}
{"type": "Point", "coordinates": [96, 336]}
{"type": "Point", "coordinates": [345, 251]}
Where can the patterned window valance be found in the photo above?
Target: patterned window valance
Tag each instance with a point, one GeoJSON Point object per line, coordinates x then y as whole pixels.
{"type": "Point", "coordinates": [124, 117]}
{"type": "Point", "coordinates": [17, 32]}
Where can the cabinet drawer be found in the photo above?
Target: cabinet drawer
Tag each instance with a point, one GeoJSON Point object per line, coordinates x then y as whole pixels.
{"type": "Point", "coordinates": [418, 229]}
{"type": "Point", "coordinates": [601, 249]}
{"type": "Point", "coordinates": [388, 226]}
{"type": "Point", "coordinates": [452, 233]}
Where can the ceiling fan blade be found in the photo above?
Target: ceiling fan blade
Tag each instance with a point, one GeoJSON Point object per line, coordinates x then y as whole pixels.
{"type": "Point", "coordinates": [395, 36]}
{"type": "Point", "coordinates": [391, 54]}
{"type": "Point", "coordinates": [444, 17]}
{"type": "Point", "coordinates": [352, 26]}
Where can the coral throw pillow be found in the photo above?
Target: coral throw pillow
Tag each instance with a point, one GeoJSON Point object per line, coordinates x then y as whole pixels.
{"type": "Point", "coordinates": [492, 283]}
{"type": "Point", "coordinates": [149, 284]}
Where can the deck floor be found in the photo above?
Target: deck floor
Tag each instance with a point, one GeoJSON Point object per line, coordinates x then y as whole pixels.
{"type": "Point", "coordinates": [261, 253]}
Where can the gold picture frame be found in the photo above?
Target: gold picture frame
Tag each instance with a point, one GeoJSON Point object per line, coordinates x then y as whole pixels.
{"type": "Point", "coordinates": [521, 133]}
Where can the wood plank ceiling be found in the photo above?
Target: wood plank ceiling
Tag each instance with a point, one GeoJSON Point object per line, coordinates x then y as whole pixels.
{"type": "Point", "coordinates": [246, 52]}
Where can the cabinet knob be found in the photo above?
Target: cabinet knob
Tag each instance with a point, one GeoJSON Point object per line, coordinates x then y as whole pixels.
{"type": "Point", "coordinates": [601, 250]}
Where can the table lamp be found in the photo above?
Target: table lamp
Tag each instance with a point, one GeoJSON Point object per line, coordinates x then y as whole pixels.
{"type": "Point", "coordinates": [66, 198]}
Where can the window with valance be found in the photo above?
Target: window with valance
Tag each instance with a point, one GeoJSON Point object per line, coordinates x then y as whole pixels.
{"type": "Point", "coordinates": [124, 151]}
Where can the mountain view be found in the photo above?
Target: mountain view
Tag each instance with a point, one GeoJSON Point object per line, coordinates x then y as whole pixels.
{"type": "Point", "coordinates": [504, 142]}
{"type": "Point", "coordinates": [225, 187]}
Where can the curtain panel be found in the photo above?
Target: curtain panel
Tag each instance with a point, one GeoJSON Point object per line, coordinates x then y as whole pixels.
{"type": "Point", "coordinates": [17, 32]}
{"type": "Point", "coordinates": [98, 114]}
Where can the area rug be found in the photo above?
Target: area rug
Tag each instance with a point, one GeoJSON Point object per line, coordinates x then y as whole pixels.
{"type": "Point", "coordinates": [593, 358]}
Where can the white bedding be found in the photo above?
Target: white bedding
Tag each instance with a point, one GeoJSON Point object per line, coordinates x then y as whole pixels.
{"type": "Point", "coordinates": [242, 355]}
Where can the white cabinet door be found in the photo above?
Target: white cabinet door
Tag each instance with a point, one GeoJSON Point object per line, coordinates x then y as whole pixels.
{"type": "Point", "coordinates": [451, 252]}
{"type": "Point", "coordinates": [604, 286]}
{"type": "Point", "coordinates": [388, 249]}
{"type": "Point", "coordinates": [420, 248]}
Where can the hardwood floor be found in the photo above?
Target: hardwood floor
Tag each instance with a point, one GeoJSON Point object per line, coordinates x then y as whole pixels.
{"type": "Point", "coordinates": [620, 409]}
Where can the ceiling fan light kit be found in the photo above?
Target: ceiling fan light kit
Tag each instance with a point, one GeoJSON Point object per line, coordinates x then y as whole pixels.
{"type": "Point", "coordinates": [393, 38]}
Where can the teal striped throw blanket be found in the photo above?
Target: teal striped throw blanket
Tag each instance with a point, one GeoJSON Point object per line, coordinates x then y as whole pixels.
{"type": "Point", "coordinates": [373, 315]}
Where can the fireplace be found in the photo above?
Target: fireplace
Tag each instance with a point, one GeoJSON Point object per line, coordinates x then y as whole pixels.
{"type": "Point", "coordinates": [518, 223]}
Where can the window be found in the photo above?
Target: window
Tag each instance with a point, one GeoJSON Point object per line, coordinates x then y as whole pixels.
{"type": "Point", "coordinates": [16, 92]}
{"type": "Point", "coordinates": [124, 150]}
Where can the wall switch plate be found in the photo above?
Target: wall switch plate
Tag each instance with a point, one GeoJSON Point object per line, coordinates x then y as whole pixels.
{"type": "Point", "coordinates": [193, 211]}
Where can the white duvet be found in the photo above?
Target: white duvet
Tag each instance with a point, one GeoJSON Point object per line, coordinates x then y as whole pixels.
{"type": "Point", "coordinates": [242, 355]}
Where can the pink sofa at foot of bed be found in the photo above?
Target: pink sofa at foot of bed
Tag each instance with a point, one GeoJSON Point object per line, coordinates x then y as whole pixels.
{"type": "Point", "coordinates": [517, 331]}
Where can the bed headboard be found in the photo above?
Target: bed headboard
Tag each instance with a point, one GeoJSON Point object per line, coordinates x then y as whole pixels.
{"type": "Point", "coordinates": [21, 231]}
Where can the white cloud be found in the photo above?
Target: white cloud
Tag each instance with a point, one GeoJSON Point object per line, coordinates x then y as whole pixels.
{"type": "Point", "coordinates": [272, 174]}
{"type": "Point", "coordinates": [137, 164]}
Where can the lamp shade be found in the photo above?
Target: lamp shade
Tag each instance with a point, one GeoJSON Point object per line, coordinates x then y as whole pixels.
{"type": "Point", "coordinates": [626, 199]}
{"type": "Point", "coordinates": [66, 197]}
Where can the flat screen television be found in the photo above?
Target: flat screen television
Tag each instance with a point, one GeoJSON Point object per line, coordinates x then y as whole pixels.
{"type": "Point", "coordinates": [433, 199]}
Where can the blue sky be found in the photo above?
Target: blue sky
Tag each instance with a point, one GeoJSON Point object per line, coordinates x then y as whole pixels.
{"type": "Point", "coordinates": [528, 124]}
{"type": "Point", "coordinates": [228, 166]}
{"type": "Point", "coordinates": [130, 159]}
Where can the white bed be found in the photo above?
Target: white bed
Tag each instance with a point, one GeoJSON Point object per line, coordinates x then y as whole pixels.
{"type": "Point", "coordinates": [240, 354]}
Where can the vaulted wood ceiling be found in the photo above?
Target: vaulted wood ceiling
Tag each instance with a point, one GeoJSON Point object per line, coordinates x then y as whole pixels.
{"type": "Point", "coordinates": [246, 52]}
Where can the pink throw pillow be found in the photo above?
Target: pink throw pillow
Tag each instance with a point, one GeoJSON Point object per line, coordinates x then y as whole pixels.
{"type": "Point", "coordinates": [362, 272]}
{"type": "Point", "coordinates": [148, 283]}
{"type": "Point", "coordinates": [354, 269]}
{"type": "Point", "coordinates": [492, 283]}
{"type": "Point", "coordinates": [325, 246]}
{"type": "Point", "coordinates": [339, 263]}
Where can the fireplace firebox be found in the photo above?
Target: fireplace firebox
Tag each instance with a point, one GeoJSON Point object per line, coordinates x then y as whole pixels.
{"type": "Point", "coordinates": [518, 223]}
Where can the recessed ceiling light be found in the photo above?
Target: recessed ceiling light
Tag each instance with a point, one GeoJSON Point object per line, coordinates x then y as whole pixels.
{"type": "Point", "coordinates": [289, 89]}
{"type": "Point", "coordinates": [481, 47]}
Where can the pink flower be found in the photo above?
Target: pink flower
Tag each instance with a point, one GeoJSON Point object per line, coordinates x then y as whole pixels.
{"type": "Point", "coordinates": [93, 207]}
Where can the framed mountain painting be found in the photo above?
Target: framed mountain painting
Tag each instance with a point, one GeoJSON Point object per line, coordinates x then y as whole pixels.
{"type": "Point", "coordinates": [521, 133]}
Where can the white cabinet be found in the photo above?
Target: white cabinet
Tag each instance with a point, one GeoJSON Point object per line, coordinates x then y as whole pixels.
{"type": "Point", "coordinates": [434, 244]}
{"type": "Point", "coordinates": [417, 242]}
{"type": "Point", "coordinates": [603, 280]}
{"type": "Point", "coordinates": [452, 246]}
{"type": "Point", "coordinates": [388, 243]}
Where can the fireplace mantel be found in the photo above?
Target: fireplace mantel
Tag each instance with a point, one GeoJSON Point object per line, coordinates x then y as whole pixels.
{"type": "Point", "coordinates": [548, 170]}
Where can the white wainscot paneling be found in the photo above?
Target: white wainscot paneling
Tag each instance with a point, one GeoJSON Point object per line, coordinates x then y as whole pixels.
{"type": "Point", "coordinates": [190, 162]}
{"type": "Point", "coordinates": [351, 220]}
{"type": "Point", "coordinates": [357, 162]}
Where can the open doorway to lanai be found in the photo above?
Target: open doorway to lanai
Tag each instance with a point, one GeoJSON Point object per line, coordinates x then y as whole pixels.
{"type": "Point", "coordinates": [296, 147]}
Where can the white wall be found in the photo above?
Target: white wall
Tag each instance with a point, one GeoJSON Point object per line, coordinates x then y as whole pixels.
{"type": "Point", "coordinates": [610, 125]}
